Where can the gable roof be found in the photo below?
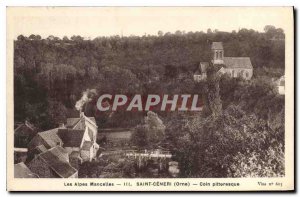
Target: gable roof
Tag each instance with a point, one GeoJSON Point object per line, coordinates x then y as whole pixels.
{"type": "Point", "coordinates": [25, 128]}
{"type": "Point", "coordinates": [217, 46]}
{"type": "Point", "coordinates": [22, 171]}
{"type": "Point", "coordinates": [80, 124]}
{"type": "Point", "coordinates": [41, 148]}
{"type": "Point", "coordinates": [58, 162]}
{"type": "Point", "coordinates": [51, 137]}
{"type": "Point", "coordinates": [71, 137]}
{"type": "Point", "coordinates": [238, 62]}
{"type": "Point", "coordinates": [72, 122]}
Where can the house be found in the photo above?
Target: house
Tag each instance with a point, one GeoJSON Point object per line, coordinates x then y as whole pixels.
{"type": "Point", "coordinates": [233, 66]}
{"type": "Point", "coordinates": [20, 155]}
{"type": "Point", "coordinates": [43, 141]}
{"type": "Point", "coordinates": [79, 141]}
{"type": "Point", "coordinates": [23, 134]}
{"type": "Point", "coordinates": [200, 73]}
{"type": "Point", "coordinates": [53, 163]}
{"type": "Point", "coordinates": [22, 171]}
{"type": "Point", "coordinates": [86, 123]}
{"type": "Point", "coordinates": [280, 84]}
{"type": "Point", "coordinates": [79, 134]}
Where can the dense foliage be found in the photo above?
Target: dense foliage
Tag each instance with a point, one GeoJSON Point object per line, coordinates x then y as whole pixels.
{"type": "Point", "coordinates": [246, 138]}
{"type": "Point", "coordinates": [51, 74]}
{"type": "Point", "coordinates": [240, 131]}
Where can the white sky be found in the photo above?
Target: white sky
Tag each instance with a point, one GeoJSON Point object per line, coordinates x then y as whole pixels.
{"type": "Point", "coordinates": [104, 21]}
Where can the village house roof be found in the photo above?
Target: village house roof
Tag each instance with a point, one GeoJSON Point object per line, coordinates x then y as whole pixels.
{"type": "Point", "coordinates": [73, 122]}
{"type": "Point", "coordinates": [26, 123]}
{"type": "Point", "coordinates": [71, 137]}
{"type": "Point", "coordinates": [58, 162]}
{"type": "Point", "coordinates": [22, 171]}
{"type": "Point", "coordinates": [41, 148]}
{"type": "Point", "coordinates": [51, 137]}
{"type": "Point", "coordinates": [238, 62]}
{"type": "Point", "coordinates": [217, 46]}
{"type": "Point", "coordinates": [25, 128]}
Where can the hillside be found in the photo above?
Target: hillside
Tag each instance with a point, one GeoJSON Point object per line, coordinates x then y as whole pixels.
{"type": "Point", "coordinates": [51, 74]}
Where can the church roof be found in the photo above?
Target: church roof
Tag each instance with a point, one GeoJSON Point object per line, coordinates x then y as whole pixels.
{"type": "Point", "coordinates": [238, 62]}
{"type": "Point", "coordinates": [217, 45]}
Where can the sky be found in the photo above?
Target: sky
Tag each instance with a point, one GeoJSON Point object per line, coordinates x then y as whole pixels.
{"type": "Point", "coordinates": [91, 22]}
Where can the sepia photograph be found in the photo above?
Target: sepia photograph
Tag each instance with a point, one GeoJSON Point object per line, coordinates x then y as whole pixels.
{"type": "Point", "coordinates": [166, 97]}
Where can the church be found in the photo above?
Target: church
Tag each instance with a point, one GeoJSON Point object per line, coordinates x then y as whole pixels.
{"type": "Point", "coordinates": [233, 66]}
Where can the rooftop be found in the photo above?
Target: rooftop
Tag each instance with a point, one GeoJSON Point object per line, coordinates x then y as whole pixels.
{"type": "Point", "coordinates": [238, 62]}
{"type": "Point", "coordinates": [51, 137]}
{"type": "Point", "coordinates": [57, 161]}
{"type": "Point", "coordinates": [25, 128]}
{"type": "Point", "coordinates": [71, 137]}
{"type": "Point", "coordinates": [22, 171]}
{"type": "Point", "coordinates": [73, 122]}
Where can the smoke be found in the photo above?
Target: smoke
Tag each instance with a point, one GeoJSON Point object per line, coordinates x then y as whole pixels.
{"type": "Point", "coordinates": [87, 96]}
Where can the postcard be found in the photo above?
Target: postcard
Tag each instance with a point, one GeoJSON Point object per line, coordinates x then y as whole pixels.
{"type": "Point", "coordinates": [150, 98]}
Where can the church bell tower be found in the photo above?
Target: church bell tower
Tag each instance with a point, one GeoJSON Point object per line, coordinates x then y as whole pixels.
{"type": "Point", "coordinates": [217, 53]}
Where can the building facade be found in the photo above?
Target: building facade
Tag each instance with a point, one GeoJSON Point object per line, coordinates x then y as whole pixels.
{"type": "Point", "coordinates": [232, 66]}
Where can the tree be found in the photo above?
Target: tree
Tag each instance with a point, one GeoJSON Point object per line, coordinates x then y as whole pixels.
{"type": "Point", "coordinates": [77, 38]}
{"type": "Point", "coordinates": [65, 38]}
{"type": "Point", "coordinates": [35, 37]}
{"type": "Point", "coordinates": [154, 127]}
{"type": "Point", "coordinates": [21, 38]}
{"type": "Point", "coordinates": [213, 98]}
{"type": "Point", "coordinates": [212, 147]}
{"type": "Point", "coordinates": [269, 163]}
{"type": "Point", "coordinates": [178, 33]}
{"type": "Point", "coordinates": [269, 28]}
{"type": "Point", "coordinates": [139, 137]}
{"type": "Point", "coordinates": [273, 33]}
{"type": "Point", "coordinates": [151, 133]}
{"type": "Point", "coordinates": [57, 112]}
{"type": "Point", "coordinates": [160, 33]}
